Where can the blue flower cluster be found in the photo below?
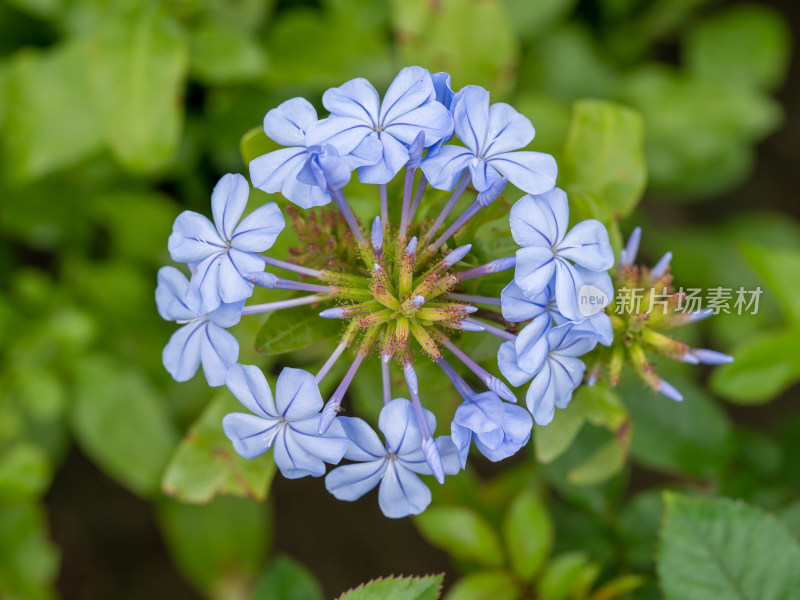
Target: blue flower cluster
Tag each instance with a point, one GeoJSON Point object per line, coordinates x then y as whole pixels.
{"type": "Point", "coordinates": [433, 136]}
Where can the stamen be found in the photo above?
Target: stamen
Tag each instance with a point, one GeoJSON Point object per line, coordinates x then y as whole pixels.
{"type": "Point", "coordinates": [255, 309]}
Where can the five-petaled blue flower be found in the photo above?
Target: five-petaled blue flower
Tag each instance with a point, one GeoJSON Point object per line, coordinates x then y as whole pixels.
{"type": "Point", "coordinates": [278, 171]}
{"type": "Point", "coordinates": [394, 465]}
{"type": "Point", "coordinates": [558, 373]}
{"type": "Point", "coordinates": [490, 134]}
{"type": "Point", "coordinates": [221, 257]}
{"type": "Point", "coordinates": [539, 225]}
{"type": "Point", "coordinates": [499, 428]}
{"type": "Point", "coordinates": [358, 117]}
{"type": "Point", "coordinates": [203, 338]}
{"type": "Point", "coordinates": [288, 423]}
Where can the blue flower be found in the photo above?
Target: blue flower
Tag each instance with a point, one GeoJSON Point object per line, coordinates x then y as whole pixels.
{"type": "Point", "coordinates": [277, 171]}
{"type": "Point", "coordinates": [517, 306]}
{"type": "Point", "coordinates": [358, 117]}
{"type": "Point", "coordinates": [539, 225]}
{"type": "Point", "coordinates": [499, 428]}
{"type": "Point", "coordinates": [490, 134]}
{"type": "Point", "coordinates": [394, 465]}
{"type": "Point", "coordinates": [221, 257]}
{"type": "Point", "coordinates": [288, 424]}
{"type": "Point", "coordinates": [203, 338]}
{"type": "Point", "coordinates": [560, 372]}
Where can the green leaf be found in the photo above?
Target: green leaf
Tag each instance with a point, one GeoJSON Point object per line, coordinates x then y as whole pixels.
{"type": "Point", "coordinates": [255, 143]}
{"type": "Point", "coordinates": [293, 329]}
{"type": "Point", "coordinates": [25, 472]}
{"type": "Point", "coordinates": [28, 559]}
{"type": "Point", "coordinates": [485, 585]}
{"type": "Point", "coordinates": [473, 41]}
{"type": "Point", "coordinates": [603, 168]}
{"type": "Point", "coordinates": [223, 54]}
{"type": "Point", "coordinates": [121, 423]}
{"type": "Point", "coordinates": [603, 464]}
{"type": "Point", "coordinates": [693, 436]}
{"type": "Point", "coordinates": [529, 532]}
{"type": "Point", "coordinates": [619, 586]}
{"type": "Point", "coordinates": [762, 369]}
{"type": "Point", "coordinates": [551, 441]}
{"type": "Point", "coordinates": [218, 546]}
{"type": "Point", "coordinates": [567, 576]}
{"type": "Point", "coordinates": [780, 268]}
{"type": "Point", "coordinates": [205, 464]}
{"type": "Point", "coordinates": [397, 588]}
{"type": "Point", "coordinates": [286, 579]}
{"type": "Point", "coordinates": [713, 549]}
{"type": "Point", "coordinates": [138, 63]}
{"type": "Point", "coordinates": [461, 532]}
{"type": "Point", "coordinates": [529, 23]}
{"type": "Point", "coordinates": [743, 44]}
{"type": "Point", "coordinates": [49, 124]}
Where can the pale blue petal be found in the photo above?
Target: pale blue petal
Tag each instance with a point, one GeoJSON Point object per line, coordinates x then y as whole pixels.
{"type": "Point", "coordinates": [532, 344]}
{"type": "Point", "coordinates": [171, 289]}
{"type": "Point", "coordinates": [297, 394]}
{"type": "Point", "coordinates": [356, 98]}
{"type": "Point", "coordinates": [517, 426]}
{"type": "Point", "coordinates": [540, 220]}
{"type": "Point", "coordinates": [411, 87]}
{"type": "Point", "coordinates": [532, 172]}
{"type": "Point", "coordinates": [394, 158]}
{"type": "Point", "coordinates": [344, 133]}
{"type": "Point", "coordinates": [288, 123]}
{"type": "Point", "coordinates": [399, 427]}
{"type": "Point", "coordinates": [302, 194]}
{"type": "Point", "coordinates": [233, 266]}
{"type": "Point", "coordinates": [259, 230]}
{"type": "Point", "coordinates": [227, 203]}
{"type": "Point", "coordinates": [251, 436]}
{"type": "Point", "coordinates": [449, 454]}
{"type": "Point", "coordinates": [292, 459]}
{"type": "Point", "coordinates": [540, 398]}
{"type": "Point", "coordinates": [517, 306]}
{"type": "Point", "coordinates": [364, 442]}
{"type": "Point", "coordinates": [599, 326]}
{"type": "Point", "coordinates": [368, 152]}
{"type": "Point", "coordinates": [507, 362]}
{"type": "Point", "coordinates": [432, 119]}
{"type": "Point", "coordinates": [402, 493]}
{"type": "Point", "coordinates": [461, 438]}
{"type": "Point", "coordinates": [484, 175]}
{"type": "Point", "coordinates": [350, 482]}
{"type": "Point", "coordinates": [272, 171]}
{"type": "Point", "coordinates": [181, 355]}
{"type": "Point", "coordinates": [535, 268]}
{"type": "Point", "coordinates": [218, 353]}
{"type": "Point", "coordinates": [508, 130]}
{"type": "Point", "coordinates": [481, 413]}
{"type": "Point", "coordinates": [202, 295]}
{"type": "Point", "coordinates": [587, 244]}
{"type": "Point", "coordinates": [471, 116]}
{"type": "Point", "coordinates": [249, 386]}
{"type": "Point", "coordinates": [444, 168]}
{"type": "Point", "coordinates": [568, 286]}
{"type": "Point", "coordinates": [442, 89]}
{"type": "Point", "coordinates": [567, 375]}
{"type": "Point", "coordinates": [193, 238]}
{"type": "Point", "coordinates": [227, 315]}
{"type": "Point", "coordinates": [571, 339]}
{"type": "Point", "coordinates": [330, 446]}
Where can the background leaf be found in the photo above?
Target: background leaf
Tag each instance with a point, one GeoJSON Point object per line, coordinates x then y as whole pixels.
{"type": "Point", "coordinates": [397, 588]}
{"type": "Point", "coordinates": [462, 532]}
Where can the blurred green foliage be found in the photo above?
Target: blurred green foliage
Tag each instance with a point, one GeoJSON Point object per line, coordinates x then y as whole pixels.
{"type": "Point", "coordinates": [114, 116]}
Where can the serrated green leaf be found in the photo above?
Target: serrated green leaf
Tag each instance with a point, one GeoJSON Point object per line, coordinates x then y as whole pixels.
{"type": "Point", "coordinates": [603, 168]}
{"type": "Point", "coordinates": [138, 64]}
{"type": "Point", "coordinates": [286, 579]}
{"type": "Point", "coordinates": [743, 44]}
{"type": "Point", "coordinates": [121, 423]}
{"type": "Point", "coordinates": [763, 367]}
{"type": "Point", "coordinates": [397, 588]}
{"type": "Point", "coordinates": [462, 532]}
{"type": "Point", "coordinates": [485, 585]}
{"type": "Point", "coordinates": [205, 464]}
{"type": "Point", "coordinates": [713, 549]}
{"type": "Point", "coordinates": [217, 546]}
{"type": "Point", "coordinates": [294, 328]}
{"type": "Point", "coordinates": [529, 532]}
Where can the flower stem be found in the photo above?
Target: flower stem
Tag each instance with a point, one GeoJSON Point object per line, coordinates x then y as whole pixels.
{"type": "Point", "coordinates": [472, 299]}
{"type": "Point", "coordinates": [462, 185]}
{"type": "Point", "coordinates": [255, 309]}
{"type": "Point", "coordinates": [282, 264]}
{"type": "Point", "coordinates": [347, 213]}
